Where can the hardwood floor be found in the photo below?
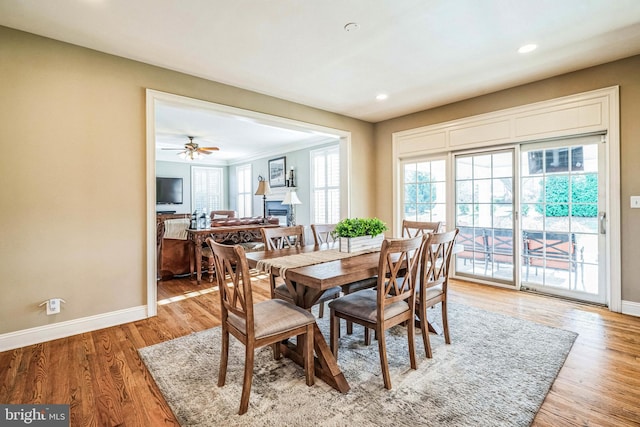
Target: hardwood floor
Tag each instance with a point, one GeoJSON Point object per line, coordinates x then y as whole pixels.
{"type": "Point", "coordinates": [101, 376]}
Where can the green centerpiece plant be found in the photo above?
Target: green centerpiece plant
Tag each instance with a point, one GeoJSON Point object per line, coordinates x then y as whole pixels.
{"type": "Point", "coordinates": [358, 234]}
{"type": "Point", "coordinates": [358, 227]}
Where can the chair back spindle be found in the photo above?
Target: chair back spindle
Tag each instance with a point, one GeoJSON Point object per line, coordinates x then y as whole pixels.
{"type": "Point", "coordinates": [417, 228]}
{"type": "Point", "coordinates": [323, 233]}
{"type": "Point", "coordinates": [283, 237]}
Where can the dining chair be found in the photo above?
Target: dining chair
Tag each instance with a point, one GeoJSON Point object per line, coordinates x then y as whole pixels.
{"type": "Point", "coordinates": [265, 323]}
{"type": "Point", "coordinates": [392, 303]}
{"type": "Point", "coordinates": [415, 228]}
{"type": "Point", "coordinates": [290, 237]}
{"type": "Point", "coordinates": [433, 282]}
{"type": "Point", "coordinates": [324, 233]}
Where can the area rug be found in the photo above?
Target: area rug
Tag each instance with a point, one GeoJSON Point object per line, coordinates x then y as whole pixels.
{"type": "Point", "coordinates": [496, 372]}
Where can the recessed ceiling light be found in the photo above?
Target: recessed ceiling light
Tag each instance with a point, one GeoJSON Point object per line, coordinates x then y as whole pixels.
{"type": "Point", "coordinates": [351, 26]}
{"type": "Point", "coordinates": [528, 48]}
{"type": "Point", "coordinates": [381, 96]}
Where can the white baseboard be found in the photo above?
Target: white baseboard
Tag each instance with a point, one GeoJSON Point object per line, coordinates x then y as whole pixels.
{"type": "Point", "coordinates": [54, 331]}
{"type": "Point", "coordinates": [631, 308]}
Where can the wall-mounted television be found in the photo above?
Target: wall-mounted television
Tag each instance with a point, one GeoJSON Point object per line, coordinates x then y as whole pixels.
{"type": "Point", "coordinates": [168, 191]}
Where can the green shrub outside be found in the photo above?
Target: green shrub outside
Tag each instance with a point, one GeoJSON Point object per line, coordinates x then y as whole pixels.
{"type": "Point", "coordinates": [584, 189]}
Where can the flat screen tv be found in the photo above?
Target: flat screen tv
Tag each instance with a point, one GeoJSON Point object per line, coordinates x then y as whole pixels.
{"type": "Point", "coordinates": [168, 191]}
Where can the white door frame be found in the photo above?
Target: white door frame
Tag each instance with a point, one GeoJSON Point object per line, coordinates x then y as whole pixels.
{"type": "Point", "coordinates": [583, 113]}
{"type": "Point", "coordinates": [153, 97]}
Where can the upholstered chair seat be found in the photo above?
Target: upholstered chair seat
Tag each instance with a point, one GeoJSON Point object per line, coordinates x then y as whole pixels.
{"type": "Point", "coordinates": [363, 305]}
{"type": "Point", "coordinates": [273, 317]}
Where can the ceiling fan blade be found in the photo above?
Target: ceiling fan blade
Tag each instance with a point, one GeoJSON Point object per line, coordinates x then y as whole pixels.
{"type": "Point", "coordinates": [205, 152]}
{"type": "Point", "coordinates": [209, 148]}
{"type": "Point", "coordinates": [172, 148]}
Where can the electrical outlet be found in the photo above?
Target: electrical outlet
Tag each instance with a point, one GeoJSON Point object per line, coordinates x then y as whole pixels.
{"type": "Point", "coordinates": [53, 306]}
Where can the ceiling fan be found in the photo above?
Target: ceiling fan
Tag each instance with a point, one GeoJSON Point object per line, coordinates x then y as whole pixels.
{"type": "Point", "coordinates": [192, 150]}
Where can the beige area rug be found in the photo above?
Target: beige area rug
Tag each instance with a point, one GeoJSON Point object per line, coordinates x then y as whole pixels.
{"type": "Point", "coordinates": [496, 372]}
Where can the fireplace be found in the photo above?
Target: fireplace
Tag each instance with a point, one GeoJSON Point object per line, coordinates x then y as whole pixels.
{"type": "Point", "coordinates": [276, 209]}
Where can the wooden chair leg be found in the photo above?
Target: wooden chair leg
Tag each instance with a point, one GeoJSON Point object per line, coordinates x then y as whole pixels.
{"type": "Point", "coordinates": [334, 333]}
{"type": "Point", "coordinates": [309, 362]}
{"type": "Point", "coordinates": [424, 327]}
{"type": "Point", "coordinates": [276, 351]}
{"type": "Point", "coordinates": [411, 328]}
{"type": "Point", "coordinates": [445, 323]}
{"type": "Point", "coordinates": [224, 357]}
{"type": "Point", "coordinates": [246, 383]}
{"type": "Point", "coordinates": [349, 327]}
{"type": "Point", "coordinates": [321, 310]}
{"type": "Point", "coordinates": [384, 365]}
{"type": "Point", "coordinates": [367, 337]}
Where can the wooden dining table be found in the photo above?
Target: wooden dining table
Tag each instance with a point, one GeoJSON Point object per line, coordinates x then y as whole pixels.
{"type": "Point", "coordinates": [307, 284]}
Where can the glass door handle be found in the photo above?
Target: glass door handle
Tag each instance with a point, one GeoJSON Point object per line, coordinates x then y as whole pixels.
{"type": "Point", "coordinates": [603, 222]}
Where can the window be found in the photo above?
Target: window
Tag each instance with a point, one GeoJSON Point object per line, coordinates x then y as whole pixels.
{"type": "Point", "coordinates": [325, 185]}
{"type": "Point", "coordinates": [424, 191]}
{"type": "Point", "coordinates": [206, 188]}
{"type": "Point", "coordinates": [245, 197]}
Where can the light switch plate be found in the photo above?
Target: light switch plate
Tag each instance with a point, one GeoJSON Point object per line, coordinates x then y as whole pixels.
{"type": "Point", "coordinates": [635, 202]}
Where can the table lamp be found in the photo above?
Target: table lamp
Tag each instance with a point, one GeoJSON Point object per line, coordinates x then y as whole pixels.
{"type": "Point", "coordinates": [263, 190]}
{"type": "Point", "coordinates": [291, 199]}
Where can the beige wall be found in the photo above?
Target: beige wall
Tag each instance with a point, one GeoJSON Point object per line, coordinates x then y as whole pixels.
{"type": "Point", "coordinates": [72, 173]}
{"type": "Point", "coordinates": [72, 168]}
{"type": "Point", "coordinates": [625, 73]}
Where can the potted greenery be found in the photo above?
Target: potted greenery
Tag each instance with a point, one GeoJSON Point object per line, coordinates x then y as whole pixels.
{"type": "Point", "coordinates": [358, 234]}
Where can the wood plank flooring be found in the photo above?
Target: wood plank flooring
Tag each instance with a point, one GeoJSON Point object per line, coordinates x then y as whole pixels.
{"type": "Point", "coordinates": [101, 376]}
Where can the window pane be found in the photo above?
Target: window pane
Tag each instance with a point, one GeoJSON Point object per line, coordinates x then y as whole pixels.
{"type": "Point", "coordinates": [464, 191]}
{"type": "Point", "coordinates": [482, 167]}
{"type": "Point", "coordinates": [206, 188]}
{"type": "Point", "coordinates": [325, 185]}
{"type": "Point", "coordinates": [424, 186]}
{"type": "Point", "coordinates": [410, 172]}
{"type": "Point", "coordinates": [438, 171]}
{"type": "Point", "coordinates": [244, 201]}
{"type": "Point", "coordinates": [464, 168]}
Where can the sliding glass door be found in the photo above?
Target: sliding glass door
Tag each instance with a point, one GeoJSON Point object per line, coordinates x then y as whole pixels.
{"type": "Point", "coordinates": [563, 218]}
{"type": "Point", "coordinates": [484, 207]}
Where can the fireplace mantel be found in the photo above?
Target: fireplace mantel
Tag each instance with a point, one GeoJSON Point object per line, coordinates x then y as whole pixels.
{"type": "Point", "coordinates": [278, 193]}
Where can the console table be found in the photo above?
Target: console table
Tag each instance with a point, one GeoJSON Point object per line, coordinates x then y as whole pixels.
{"type": "Point", "coordinates": [233, 235]}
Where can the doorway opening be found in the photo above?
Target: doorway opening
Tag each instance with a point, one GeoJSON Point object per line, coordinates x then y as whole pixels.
{"type": "Point", "coordinates": [156, 98]}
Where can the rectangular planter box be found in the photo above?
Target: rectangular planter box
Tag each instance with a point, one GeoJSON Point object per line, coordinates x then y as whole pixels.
{"type": "Point", "coordinates": [355, 244]}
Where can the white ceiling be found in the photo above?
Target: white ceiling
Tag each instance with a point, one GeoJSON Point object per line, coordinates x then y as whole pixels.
{"type": "Point", "coordinates": [422, 53]}
{"type": "Point", "coordinates": [240, 138]}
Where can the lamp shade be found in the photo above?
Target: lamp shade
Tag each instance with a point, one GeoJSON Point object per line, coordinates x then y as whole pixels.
{"type": "Point", "coordinates": [291, 198]}
{"type": "Point", "coordinates": [263, 188]}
